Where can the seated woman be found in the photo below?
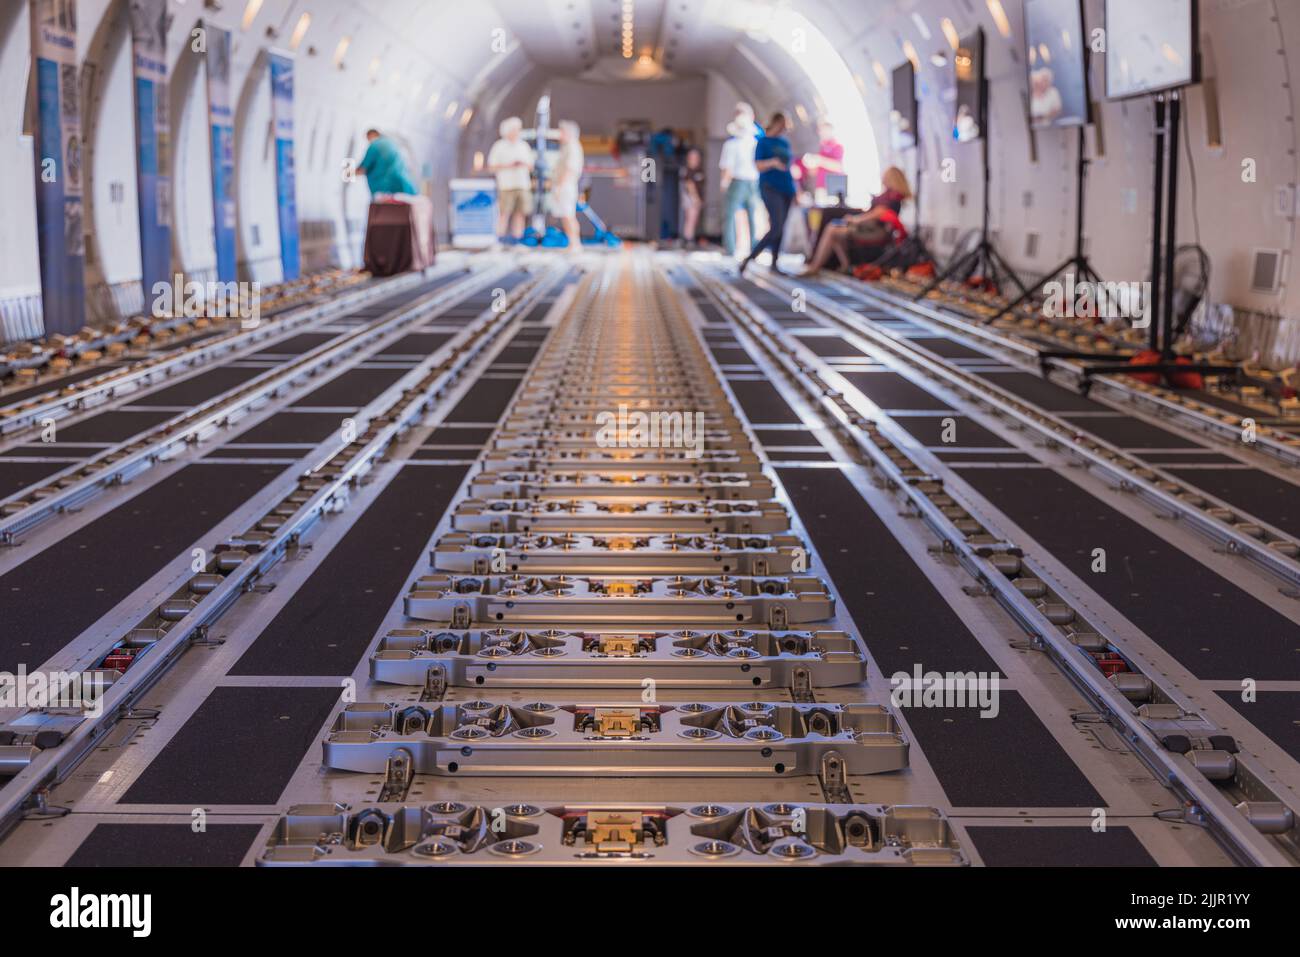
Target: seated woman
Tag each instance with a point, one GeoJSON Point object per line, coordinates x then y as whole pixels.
{"type": "Point", "coordinates": [866, 227]}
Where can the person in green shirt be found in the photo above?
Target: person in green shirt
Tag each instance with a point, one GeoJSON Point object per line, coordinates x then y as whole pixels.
{"type": "Point", "coordinates": [384, 167]}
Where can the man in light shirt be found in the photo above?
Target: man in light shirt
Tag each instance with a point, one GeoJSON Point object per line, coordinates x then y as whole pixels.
{"type": "Point", "coordinates": [739, 182]}
{"type": "Point", "coordinates": [511, 160]}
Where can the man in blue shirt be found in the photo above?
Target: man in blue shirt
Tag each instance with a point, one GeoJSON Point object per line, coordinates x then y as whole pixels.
{"type": "Point", "coordinates": [772, 156]}
{"type": "Point", "coordinates": [384, 167]}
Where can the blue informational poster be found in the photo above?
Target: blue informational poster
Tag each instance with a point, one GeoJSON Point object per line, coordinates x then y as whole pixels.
{"type": "Point", "coordinates": [59, 211]}
{"type": "Point", "coordinates": [153, 144]}
{"type": "Point", "coordinates": [285, 185]}
{"type": "Point", "coordinates": [473, 212]}
{"type": "Point", "coordinates": [222, 137]}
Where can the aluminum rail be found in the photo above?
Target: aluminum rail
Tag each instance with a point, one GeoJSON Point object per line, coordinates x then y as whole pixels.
{"type": "Point", "coordinates": [50, 347]}
{"type": "Point", "coordinates": [1203, 416]}
{"type": "Point", "coordinates": [25, 416]}
{"type": "Point", "coordinates": [1242, 534]}
{"type": "Point", "coordinates": [26, 789]}
{"type": "Point", "coordinates": [1230, 827]}
{"type": "Point", "coordinates": [116, 465]}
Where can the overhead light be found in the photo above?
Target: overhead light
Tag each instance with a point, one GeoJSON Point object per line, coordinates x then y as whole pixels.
{"type": "Point", "coordinates": [909, 51]}
{"type": "Point", "coordinates": [950, 32]}
{"type": "Point", "coordinates": [920, 25]}
{"type": "Point", "coordinates": [999, 17]}
{"type": "Point", "coordinates": [939, 58]}
{"type": "Point", "coordinates": [451, 110]}
{"type": "Point", "coordinates": [466, 117]}
{"type": "Point", "coordinates": [374, 69]}
{"type": "Point", "coordinates": [433, 100]}
{"type": "Point", "coordinates": [299, 31]}
{"type": "Point", "coordinates": [251, 10]}
{"type": "Point", "coordinates": [878, 68]}
{"type": "Point", "coordinates": [341, 51]}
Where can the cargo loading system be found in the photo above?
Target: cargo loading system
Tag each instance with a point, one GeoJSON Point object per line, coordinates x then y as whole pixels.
{"type": "Point", "coordinates": [624, 561]}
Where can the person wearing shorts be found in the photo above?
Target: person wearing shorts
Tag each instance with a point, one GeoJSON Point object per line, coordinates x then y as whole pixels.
{"type": "Point", "coordinates": [568, 173]}
{"type": "Point", "coordinates": [511, 160]}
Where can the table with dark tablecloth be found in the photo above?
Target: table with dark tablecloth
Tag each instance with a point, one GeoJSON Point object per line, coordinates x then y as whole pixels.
{"type": "Point", "coordinates": [399, 236]}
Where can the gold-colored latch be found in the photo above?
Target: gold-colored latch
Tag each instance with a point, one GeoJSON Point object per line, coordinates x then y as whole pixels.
{"type": "Point", "coordinates": [622, 544]}
{"type": "Point", "coordinates": [617, 722]}
{"type": "Point", "coordinates": [614, 832]}
{"type": "Point", "coordinates": [617, 646]}
{"type": "Point", "coordinates": [621, 589]}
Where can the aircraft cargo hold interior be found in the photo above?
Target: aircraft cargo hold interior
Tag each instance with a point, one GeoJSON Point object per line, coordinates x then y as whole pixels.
{"type": "Point", "coordinates": [648, 434]}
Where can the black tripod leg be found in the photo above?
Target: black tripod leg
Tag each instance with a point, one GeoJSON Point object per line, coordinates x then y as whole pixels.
{"type": "Point", "coordinates": [1028, 293]}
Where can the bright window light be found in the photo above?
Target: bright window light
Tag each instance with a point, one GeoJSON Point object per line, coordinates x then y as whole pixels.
{"type": "Point", "coordinates": [999, 17]}
{"type": "Point", "coordinates": [950, 32]}
{"type": "Point", "coordinates": [299, 31]}
{"type": "Point", "coordinates": [251, 10]}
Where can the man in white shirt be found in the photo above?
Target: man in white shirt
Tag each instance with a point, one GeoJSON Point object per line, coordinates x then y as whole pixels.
{"type": "Point", "coordinates": [511, 161]}
{"type": "Point", "coordinates": [568, 175]}
{"type": "Point", "coordinates": [739, 181]}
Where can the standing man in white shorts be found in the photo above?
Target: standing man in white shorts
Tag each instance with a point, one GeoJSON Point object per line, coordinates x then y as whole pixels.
{"type": "Point", "coordinates": [511, 160]}
{"type": "Point", "coordinates": [568, 172]}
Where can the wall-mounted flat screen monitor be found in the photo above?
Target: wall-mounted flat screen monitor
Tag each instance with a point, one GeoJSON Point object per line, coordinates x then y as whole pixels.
{"type": "Point", "coordinates": [1151, 45]}
{"type": "Point", "coordinates": [968, 63]}
{"type": "Point", "coordinates": [903, 116]}
{"type": "Point", "coordinates": [1055, 55]}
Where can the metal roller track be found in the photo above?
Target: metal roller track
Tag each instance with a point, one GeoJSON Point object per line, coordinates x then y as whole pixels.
{"type": "Point", "coordinates": [1243, 534]}
{"type": "Point", "coordinates": [42, 747]}
{"type": "Point", "coordinates": [157, 369]}
{"type": "Point", "coordinates": [1244, 805]}
{"type": "Point", "coordinates": [94, 353]}
{"type": "Point", "coordinates": [1182, 408]}
{"type": "Point", "coordinates": [583, 565]}
{"type": "Point", "coordinates": [76, 484]}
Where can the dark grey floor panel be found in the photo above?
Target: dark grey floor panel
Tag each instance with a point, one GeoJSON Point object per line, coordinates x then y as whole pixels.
{"type": "Point", "coordinates": [486, 401]}
{"type": "Point", "coordinates": [1272, 499]}
{"type": "Point", "coordinates": [293, 428]}
{"type": "Point", "coordinates": [165, 845]}
{"type": "Point", "coordinates": [1048, 396]}
{"type": "Point", "coordinates": [241, 746]}
{"type": "Point", "coordinates": [1030, 846]}
{"type": "Point", "coordinates": [1010, 760]}
{"type": "Point", "coordinates": [1127, 433]}
{"type": "Point", "coordinates": [830, 346]}
{"type": "Point", "coordinates": [417, 343]}
{"type": "Point", "coordinates": [331, 619]}
{"type": "Point", "coordinates": [16, 476]}
{"type": "Point", "coordinates": [1214, 628]}
{"type": "Point", "coordinates": [200, 388]}
{"type": "Point", "coordinates": [891, 391]}
{"type": "Point", "coordinates": [354, 388]}
{"type": "Point", "coordinates": [297, 345]}
{"type": "Point", "coordinates": [787, 437]}
{"type": "Point", "coordinates": [51, 598]}
{"type": "Point", "coordinates": [112, 426]}
{"type": "Point", "coordinates": [966, 433]}
{"type": "Point", "coordinates": [947, 349]}
{"type": "Point", "coordinates": [761, 402]}
{"type": "Point", "coordinates": [901, 615]}
{"type": "Point", "coordinates": [1276, 713]}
